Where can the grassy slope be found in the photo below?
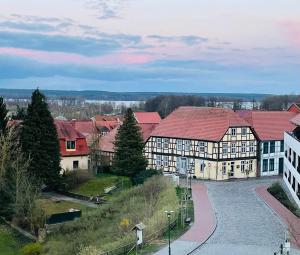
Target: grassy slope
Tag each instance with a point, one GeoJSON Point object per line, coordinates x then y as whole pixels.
{"type": "Point", "coordinates": [97, 185]}
{"type": "Point", "coordinates": [10, 243]}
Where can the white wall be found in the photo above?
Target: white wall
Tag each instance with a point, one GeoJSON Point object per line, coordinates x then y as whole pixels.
{"type": "Point", "coordinates": [66, 163]}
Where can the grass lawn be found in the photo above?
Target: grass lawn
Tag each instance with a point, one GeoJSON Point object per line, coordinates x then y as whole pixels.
{"type": "Point", "coordinates": [10, 242]}
{"type": "Point", "coordinates": [52, 207]}
{"type": "Point", "coordinates": [97, 185]}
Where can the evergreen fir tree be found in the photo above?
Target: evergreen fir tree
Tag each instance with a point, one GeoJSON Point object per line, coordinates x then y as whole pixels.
{"type": "Point", "coordinates": [40, 142]}
{"type": "Point", "coordinates": [3, 116]}
{"type": "Point", "coordinates": [129, 157]}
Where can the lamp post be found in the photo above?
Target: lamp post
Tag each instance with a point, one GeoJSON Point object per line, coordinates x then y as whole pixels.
{"type": "Point", "coordinates": [169, 219]}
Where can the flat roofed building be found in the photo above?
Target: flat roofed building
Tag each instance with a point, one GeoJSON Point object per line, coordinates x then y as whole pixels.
{"type": "Point", "coordinates": [211, 143]}
{"type": "Point", "coordinates": [291, 175]}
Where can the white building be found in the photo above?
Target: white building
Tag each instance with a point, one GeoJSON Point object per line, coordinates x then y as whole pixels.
{"type": "Point", "coordinates": [269, 126]}
{"type": "Point", "coordinates": [291, 175]}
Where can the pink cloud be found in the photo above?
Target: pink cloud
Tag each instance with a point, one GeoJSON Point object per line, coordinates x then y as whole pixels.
{"type": "Point", "coordinates": [292, 30]}
{"type": "Point", "coordinates": [125, 57]}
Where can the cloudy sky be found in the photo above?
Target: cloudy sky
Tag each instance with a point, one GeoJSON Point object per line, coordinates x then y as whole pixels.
{"type": "Point", "coordinates": [151, 45]}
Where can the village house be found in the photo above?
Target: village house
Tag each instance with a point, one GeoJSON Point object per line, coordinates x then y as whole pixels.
{"type": "Point", "coordinates": [208, 143]}
{"type": "Point", "coordinates": [73, 147]}
{"type": "Point", "coordinates": [269, 126]}
{"type": "Point", "coordinates": [291, 175]}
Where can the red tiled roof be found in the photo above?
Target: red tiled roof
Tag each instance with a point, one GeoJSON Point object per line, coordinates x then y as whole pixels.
{"type": "Point", "coordinates": [85, 127]}
{"type": "Point", "coordinates": [269, 125]}
{"type": "Point", "coordinates": [295, 107]}
{"type": "Point", "coordinates": [147, 117]}
{"type": "Point", "coordinates": [203, 123]}
{"type": "Point", "coordinates": [67, 132]}
{"type": "Point", "coordinates": [296, 120]}
{"type": "Point", "coordinates": [107, 141]}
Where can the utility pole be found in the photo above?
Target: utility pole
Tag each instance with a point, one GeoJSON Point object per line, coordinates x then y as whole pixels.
{"type": "Point", "coordinates": [169, 228]}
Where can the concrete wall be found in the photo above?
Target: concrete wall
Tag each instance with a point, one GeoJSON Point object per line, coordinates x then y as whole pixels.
{"type": "Point", "coordinates": [67, 162]}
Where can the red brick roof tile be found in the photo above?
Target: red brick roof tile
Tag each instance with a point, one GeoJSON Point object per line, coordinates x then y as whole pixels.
{"type": "Point", "coordinates": [203, 123]}
{"type": "Point", "coordinates": [147, 117]}
{"type": "Point", "coordinates": [296, 120]}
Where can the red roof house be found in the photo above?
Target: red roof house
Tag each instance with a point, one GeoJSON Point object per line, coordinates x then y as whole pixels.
{"type": "Point", "coordinates": [269, 125]}
{"type": "Point", "coordinates": [295, 108]}
{"type": "Point", "coordinates": [202, 123]}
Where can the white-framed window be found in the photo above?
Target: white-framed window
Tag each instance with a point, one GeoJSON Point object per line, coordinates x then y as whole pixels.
{"type": "Point", "coordinates": [166, 143]}
{"type": "Point", "coordinates": [166, 161]}
{"type": "Point", "coordinates": [70, 145]}
{"type": "Point", "coordinates": [179, 145]}
{"type": "Point", "coordinates": [233, 148]}
{"type": "Point", "coordinates": [244, 131]}
{"type": "Point", "coordinates": [187, 145]}
{"type": "Point", "coordinates": [252, 146]}
{"type": "Point", "coordinates": [202, 146]}
{"type": "Point", "coordinates": [158, 160]}
{"type": "Point", "coordinates": [158, 143]}
{"type": "Point", "coordinates": [225, 148]}
{"type": "Point", "coordinates": [223, 168]}
{"type": "Point", "coordinates": [242, 166]}
{"type": "Point", "coordinates": [244, 147]}
{"type": "Point", "coordinates": [233, 131]}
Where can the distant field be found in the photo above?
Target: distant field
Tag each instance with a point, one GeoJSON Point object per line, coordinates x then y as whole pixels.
{"type": "Point", "coordinates": [119, 96]}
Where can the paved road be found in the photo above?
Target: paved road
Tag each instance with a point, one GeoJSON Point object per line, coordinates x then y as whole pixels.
{"type": "Point", "coordinates": [245, 225]}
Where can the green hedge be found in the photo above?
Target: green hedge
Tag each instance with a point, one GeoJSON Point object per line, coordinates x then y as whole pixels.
{"type": "Point", "coordinates": [278, 192]}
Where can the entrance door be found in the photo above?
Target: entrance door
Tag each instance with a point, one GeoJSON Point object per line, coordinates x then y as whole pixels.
{"type": "Point", "coordinates": [281, 166]}
{"type": "Point", "coordinates": [232, 169]}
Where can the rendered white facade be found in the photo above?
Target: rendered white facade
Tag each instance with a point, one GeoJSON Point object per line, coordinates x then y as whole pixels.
{"type": "Point", "coordinates": [291, 175]}
{"type": "Point", "coordinates": [271, 158]}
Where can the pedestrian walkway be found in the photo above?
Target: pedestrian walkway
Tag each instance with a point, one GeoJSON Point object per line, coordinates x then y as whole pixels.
{"type": "Point", "coordinates": [286, 216]}
{"type": "Point", "coordinates": [202, 228]}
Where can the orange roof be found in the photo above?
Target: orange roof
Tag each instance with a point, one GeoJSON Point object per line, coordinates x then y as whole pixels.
{"type": "Point", "coordinates": [107, 141]}
{"type": "Point", "coordinates": [85, 127]}
{"type": "Point", "coordinates": [296, 120]}
{"type": "Point", "coordinates": [147, 117]}
{"type": "Point", "coordinates": [269, 125]}
{"type": "Point", "coordinates": [203, 123]}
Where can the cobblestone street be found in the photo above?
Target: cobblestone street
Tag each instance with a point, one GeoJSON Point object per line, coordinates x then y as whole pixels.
{"type": "Point", "coordinates": [245, 224]}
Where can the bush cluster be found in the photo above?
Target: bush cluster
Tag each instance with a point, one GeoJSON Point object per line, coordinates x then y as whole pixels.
{"type": "Point", "coordinates": [71, 180]}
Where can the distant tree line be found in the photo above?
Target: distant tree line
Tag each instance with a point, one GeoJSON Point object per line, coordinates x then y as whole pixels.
{"type": "Point", "coordinates": [279, 103]}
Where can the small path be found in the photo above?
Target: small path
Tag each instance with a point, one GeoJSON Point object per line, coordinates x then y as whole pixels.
{"type": "Point", "coordinates": [70, 199]}
{"type": "Point", "coordinates": [286, 216]}
{"type": "Point", "coordinates": [202, 228]}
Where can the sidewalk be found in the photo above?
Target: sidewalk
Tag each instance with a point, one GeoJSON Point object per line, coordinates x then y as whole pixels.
{"type": "Point", "coordinates": [202, 228]}
{"type": "Point", "coordinates": [292, 222]}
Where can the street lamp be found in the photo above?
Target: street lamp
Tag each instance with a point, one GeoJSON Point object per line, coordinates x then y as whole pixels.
{"type": "Point", "coordinates": [169, 219]}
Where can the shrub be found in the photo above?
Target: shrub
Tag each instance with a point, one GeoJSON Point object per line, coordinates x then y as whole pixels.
{"type": "Point", "coordinates": [71, 180]}
{"type": "Point", "coordinates": [278, 192]}
{"type": "Point", "coordinates": [142, 176]}
{"type": "Point", "coordinates": [32, 249]}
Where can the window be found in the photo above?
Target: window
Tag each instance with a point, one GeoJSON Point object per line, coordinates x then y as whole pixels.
{"type": "Point", "coordinates": [202, 165]}
{"type": "Point", "coordinates": [158, 141]}
{"type": "Point", "coordinates": [233, 131]}
{"type": "Point", "coordinates": [265, 147]}
{"type": "Point", "coordinates": [201, 146]}
{"type": "Point", "coordinates": [252, 147]}
{"type": "Point", "coordinates": [250, 165]}
{"type": "Point", "coordinates": [244, 131]}
{"type": "Point", "coordinates": [243, 166]}
{"type": "Point", "coordinates": [158, 160]}
{"type": "Point", "coordinates": [71, 145]}
{"type": "Point", "coordinates": [75, 164]}
{"type": "Point", "coordinates": [179, 145]}
{"type": "Point", "coordinates": [187, 145]}
{"type": "Point", "coordinates": [225, 148]}
{"type": "Point", "coordinates": [244, 147]}
{"type": "Point", "coordinates": [166, 143]}
{"type": "Point", "coordinates": [265, 165]}
{"type": "Point", "coordinates": [233, 148]}
{"type": "Point", "coordinates": [271, 164]}
{"type": "Point", "coordinates": [281, 146]}
{"type": "Point", "coordinates": [166, 161]}
{"type": "Point", "coordinates": [272, 146]}
{"type": "Point", "coordinates": [224, 168]}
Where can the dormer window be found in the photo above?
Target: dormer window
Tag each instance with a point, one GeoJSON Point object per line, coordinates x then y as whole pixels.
{"type": "Point", "coordinates": [71, 145]}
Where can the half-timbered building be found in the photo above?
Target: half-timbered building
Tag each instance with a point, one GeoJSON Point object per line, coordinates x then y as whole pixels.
{"type": "Point", "coordinates": [209, 143]}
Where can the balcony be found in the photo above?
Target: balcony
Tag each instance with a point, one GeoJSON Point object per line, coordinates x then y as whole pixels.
{"type": "Point", "coordinates": [295, 134]}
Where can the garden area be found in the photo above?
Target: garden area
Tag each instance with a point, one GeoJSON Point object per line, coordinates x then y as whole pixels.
{"type": "Point", "coordinates": [278, 192]}
{"type": "Point", "coordinates": [110, 226]}
{"type": "Point", "coordinates": [10, 241]}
